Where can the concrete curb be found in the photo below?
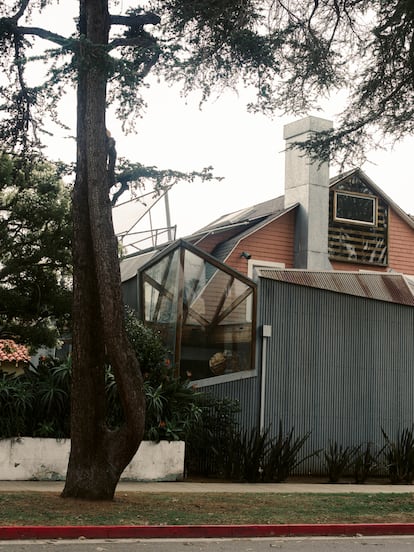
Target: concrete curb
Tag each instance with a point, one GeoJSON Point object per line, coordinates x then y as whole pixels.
{"type": "Point", "coordinates": [203, 531]}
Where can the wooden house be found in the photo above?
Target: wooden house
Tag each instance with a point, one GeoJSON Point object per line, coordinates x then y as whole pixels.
{"type": "Point", "coordinates": [300, 307]}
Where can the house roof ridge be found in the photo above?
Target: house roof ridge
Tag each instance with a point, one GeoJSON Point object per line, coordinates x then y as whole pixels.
{"type": "Point", "coordinates": [10, 351]}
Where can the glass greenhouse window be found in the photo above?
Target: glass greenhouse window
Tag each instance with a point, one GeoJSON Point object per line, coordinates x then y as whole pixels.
{"type": "Point", "coordinates": [200, 306]}
{"type": "Point", "coordinates": [160, 299]}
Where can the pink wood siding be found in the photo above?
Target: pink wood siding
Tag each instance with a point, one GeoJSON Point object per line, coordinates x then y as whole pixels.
{"type": "Point", "coordinates": [274, 243]}
{"type": "Point", "coordinates": [400, 244]}
{"type": "Point", "coordinates": [400, 249]}
{"type": "Point", "coordinates": [352, 267]}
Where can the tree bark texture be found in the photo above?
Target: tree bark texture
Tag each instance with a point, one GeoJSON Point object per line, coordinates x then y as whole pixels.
{"type": "Point", "coordinates": [98, 455]}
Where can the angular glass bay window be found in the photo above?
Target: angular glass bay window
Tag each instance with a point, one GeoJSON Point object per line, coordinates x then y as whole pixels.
{"type": "Point", "coordinates": [202, 309]}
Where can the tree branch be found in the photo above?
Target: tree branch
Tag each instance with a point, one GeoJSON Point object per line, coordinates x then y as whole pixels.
{"type": "Point", "coordinates": [21, 11]}
{"type": "Point", "coordinates": [43, 33]}
{"type": "Point", "coordinates": [135, 20]}
{"type": "Point", "coordinates": [142, 41]}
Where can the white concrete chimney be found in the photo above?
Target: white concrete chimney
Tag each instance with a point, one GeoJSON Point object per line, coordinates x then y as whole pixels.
{"type": "Point", "coordinates": [307, 183]}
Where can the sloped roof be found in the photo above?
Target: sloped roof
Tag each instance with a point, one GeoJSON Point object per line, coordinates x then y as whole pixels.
{"type": "Point", "coordinates": [245, 221]}
{"type": "Point", "coordinates": [247, 215]}
{"type": "Point", "coordinates": [274, 206]}
{"type": "Point", "coordinates": [393, 288]}
{"type": "Point", "coordinates": [10, 351]}
{"type": "Point", "coordinates": [129, 265]}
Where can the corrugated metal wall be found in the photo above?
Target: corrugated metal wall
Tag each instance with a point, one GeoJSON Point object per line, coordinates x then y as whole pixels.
{"type": "Point", "coordinates": [130, 292]}
{"type": "Point", "coordinates": [338, 366]}
{"type": "Point", "coordinates": [247, 392]}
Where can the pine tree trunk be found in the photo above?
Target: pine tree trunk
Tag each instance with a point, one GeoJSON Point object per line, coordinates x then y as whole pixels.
{"type": "Point", "coordinates": [98, 455]}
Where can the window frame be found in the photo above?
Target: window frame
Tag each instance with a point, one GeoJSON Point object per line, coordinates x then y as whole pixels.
{"type": "Point", "coordinates": [358, 222]}
{"type": "Point", "coordinates": [182, 246]}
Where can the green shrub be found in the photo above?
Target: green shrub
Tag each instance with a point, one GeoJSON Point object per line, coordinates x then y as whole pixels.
{"type": "Point", "coordinates": [37, 403]}
{"type": "Point", "coordinates": [254, 448]}
{"type": "Point", "coordinates": [50, 415]}
{"type": "Point", "coordinates": [172, 409]}
{"type": "Point", "coordinates": [147, 344]}
{"type": "Point", "coordinates": [171, 403]}
{"type": "Point", "coordinates": [16, 402]}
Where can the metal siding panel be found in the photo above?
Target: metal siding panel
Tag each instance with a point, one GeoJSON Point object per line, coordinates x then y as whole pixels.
{"type": "Point", "coordinates": [339, 366]}
{"type": "Point", "coordinates": [246, 392]}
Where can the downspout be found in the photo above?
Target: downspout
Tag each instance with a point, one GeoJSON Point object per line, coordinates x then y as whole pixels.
{"type": "Point", "coordinates": [266, 333]}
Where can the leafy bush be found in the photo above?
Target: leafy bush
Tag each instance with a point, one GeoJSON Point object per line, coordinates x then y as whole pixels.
{"type": "Point", "coordinates": [243, 455]}
{"type": "Point", "coordinates": [172, 407]}
{"type": "Point", "coordinates": [147, 344]}
{"type": "Point", "coordinates": [51, 409]}
{"type": "Point", "coordinates": [16, 401]}
{"type": "Point", "coordinates": [37, 403]}
{"type": "Point", "coordinates": [254, 447]}
{"type": "Point", "coordinates": [217, 447]}
{"type": "Point", "coordinates": [399, 456]}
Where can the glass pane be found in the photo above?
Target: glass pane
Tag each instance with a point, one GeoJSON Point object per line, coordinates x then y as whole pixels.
{"type": "Point", "coordinates": [355, 208]}
{"type": "Point", "coordinates": [217, 334]}
{"type": "Point", "coordinates": [160, 298]}
{"type": "Point", "coordinates": [216, 331]}
{"type": "Point", "coordinates": [195, 279]}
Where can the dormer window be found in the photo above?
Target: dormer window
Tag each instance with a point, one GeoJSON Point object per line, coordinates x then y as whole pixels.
{"type": "Point", "coordinates": [355, 208]}
{"type": "Point", "coordinates": [358, 223]}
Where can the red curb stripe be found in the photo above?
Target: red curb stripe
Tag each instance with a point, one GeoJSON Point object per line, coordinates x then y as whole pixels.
{"type": "Point", "coordinates": [203, 531]}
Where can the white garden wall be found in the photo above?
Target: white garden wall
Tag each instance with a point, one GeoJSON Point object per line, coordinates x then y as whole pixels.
{"type": "Point", "coordinates": [28, 459]}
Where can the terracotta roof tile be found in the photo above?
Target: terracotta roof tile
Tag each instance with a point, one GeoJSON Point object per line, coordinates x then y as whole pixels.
{"type": "Point", "coordinates": [10, 351]}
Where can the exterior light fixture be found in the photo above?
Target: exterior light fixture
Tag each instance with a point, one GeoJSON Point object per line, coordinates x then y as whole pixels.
{"type": "Point", "coordinates": [246, 255]}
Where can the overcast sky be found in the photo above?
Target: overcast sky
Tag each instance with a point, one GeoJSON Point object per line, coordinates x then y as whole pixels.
{"type": "Point", "coordinates": [245, 149]}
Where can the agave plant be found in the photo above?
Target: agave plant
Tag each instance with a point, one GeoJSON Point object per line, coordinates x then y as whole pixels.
{"type": "Point", "coordinates": [243, 454]}
{"type": "Point", "coordinates": [399, 456]}
{"type": "Point", "coordinates": [283, 456]}
{"type": "Point", "coordinates": [365, 462]}
{"type": "Point", "coordinates": [338, 460]}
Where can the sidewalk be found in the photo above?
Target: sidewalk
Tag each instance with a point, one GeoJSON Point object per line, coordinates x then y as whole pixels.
{"type": "Point", "coordinates": [209, 531]}
{"type": "Point", "coordinates": [203, 487]}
